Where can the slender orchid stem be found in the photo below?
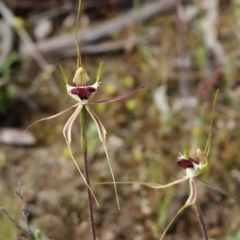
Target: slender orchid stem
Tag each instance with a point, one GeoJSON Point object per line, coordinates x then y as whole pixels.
{"type": "Point", "coordinates": [200, 220]}
{"type": "Point", "coordinates": [83, 118]}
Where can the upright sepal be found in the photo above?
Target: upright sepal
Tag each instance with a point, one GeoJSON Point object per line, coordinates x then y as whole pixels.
{"type": "Point", "coordinates": [99, 71]}
{"type": "Point", "coordinates": [64, 76]}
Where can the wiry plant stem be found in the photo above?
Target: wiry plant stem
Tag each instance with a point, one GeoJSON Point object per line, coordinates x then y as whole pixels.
{"type": "Point", "coordinates": [200, 220]}
{"type": "Point", "coordinates": [83, 118]}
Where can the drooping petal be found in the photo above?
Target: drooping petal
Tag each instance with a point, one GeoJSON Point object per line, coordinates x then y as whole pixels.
{"type": "Point", "coordinates": [120, 96]}
{"type": "Point", "coordinates": [193, 193]}
{"type": "Point", "coordinates": [67, 133]}
{"type": "Point", "coordinates": [51, 117]}
{"type": "Point", "coordinates": [102, 137]}
{"type": "Point", "coordinates": [191, 200]}
{"type": "Point", "coordinates": [151, 185]}
{"type": "Point", "coordinates": [219, 190]}
{"type": "Point", "coordinates": [67, 130]}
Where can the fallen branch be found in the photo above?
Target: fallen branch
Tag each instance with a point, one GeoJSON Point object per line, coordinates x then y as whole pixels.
{"type": "Point", "coordinates": [108, 28]}
{"type": "Point", "coordinates": [126, 44]}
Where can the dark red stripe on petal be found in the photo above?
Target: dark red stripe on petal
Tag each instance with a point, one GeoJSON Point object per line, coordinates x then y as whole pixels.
{"type": "Point", "coordinates": [193, 195]}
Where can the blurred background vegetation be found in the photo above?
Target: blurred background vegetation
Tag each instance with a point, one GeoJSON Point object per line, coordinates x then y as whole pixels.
{"type": "Point", "coordinates": [183, 50]}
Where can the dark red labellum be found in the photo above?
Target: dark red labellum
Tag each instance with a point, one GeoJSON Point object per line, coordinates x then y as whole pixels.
{"type": "Point", "coordinates": [83, 92]}
{"type": "Point", "coordinates": [184, 163]}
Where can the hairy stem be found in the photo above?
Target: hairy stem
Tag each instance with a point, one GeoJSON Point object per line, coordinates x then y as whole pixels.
{"type": "Point", "coordinates": [83, 118]}
{"type": "Point", "coordinates": [200, 220]}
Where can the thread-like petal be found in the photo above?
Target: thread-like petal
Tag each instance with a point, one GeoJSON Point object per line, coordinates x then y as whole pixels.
{"type": "Point", "coordinates": [67, 133]}
{"type": "Point", "coordinates": [219, 190]}
{"type": "Point", "coordinates": [102, 137]}
{"type": "Point", "coordinates": [191, 200]}
{"type": "Point", "coordinates": [151, 185]}
{"type": "Point", "coordinates": [67, 130]}
{"type": "Point", "coordinates": [120, 96]}
{"type": "Point", "coordinates": [51, 117]}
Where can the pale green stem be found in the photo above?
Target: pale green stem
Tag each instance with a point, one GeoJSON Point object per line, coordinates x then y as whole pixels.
{"type": "Point", "coordinates": [83, 119]}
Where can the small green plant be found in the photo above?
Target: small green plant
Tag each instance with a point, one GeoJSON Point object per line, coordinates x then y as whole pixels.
{"type": "Point", "coordinates": [37, 234]}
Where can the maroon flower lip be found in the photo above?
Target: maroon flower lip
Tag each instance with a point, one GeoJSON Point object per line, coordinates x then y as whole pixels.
{"type": "Point", "coordinates": [187, 163]}
{"type": "Point", "coordinates": [83, 92]}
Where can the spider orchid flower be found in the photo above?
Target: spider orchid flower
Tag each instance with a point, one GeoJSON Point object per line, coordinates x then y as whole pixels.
{"type": "Point", "coordinates": [193, 168]}
{"type": "Point", "coordinates": [82, 93]}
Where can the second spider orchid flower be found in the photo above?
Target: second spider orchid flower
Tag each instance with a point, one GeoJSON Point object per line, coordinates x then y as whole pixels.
{"type": "Point", "coordinates": [193, 168]}
{"type": "Point", "coordinates": [82, 93]}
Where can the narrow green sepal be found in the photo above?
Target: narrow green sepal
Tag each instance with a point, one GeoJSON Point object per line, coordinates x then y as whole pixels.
{"type": "Point", "coordinates": [64, 75]}
{"type": "Point", "coordinates": [186, 152]}
{"type": "Point", "coordinates": [99, 71]}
